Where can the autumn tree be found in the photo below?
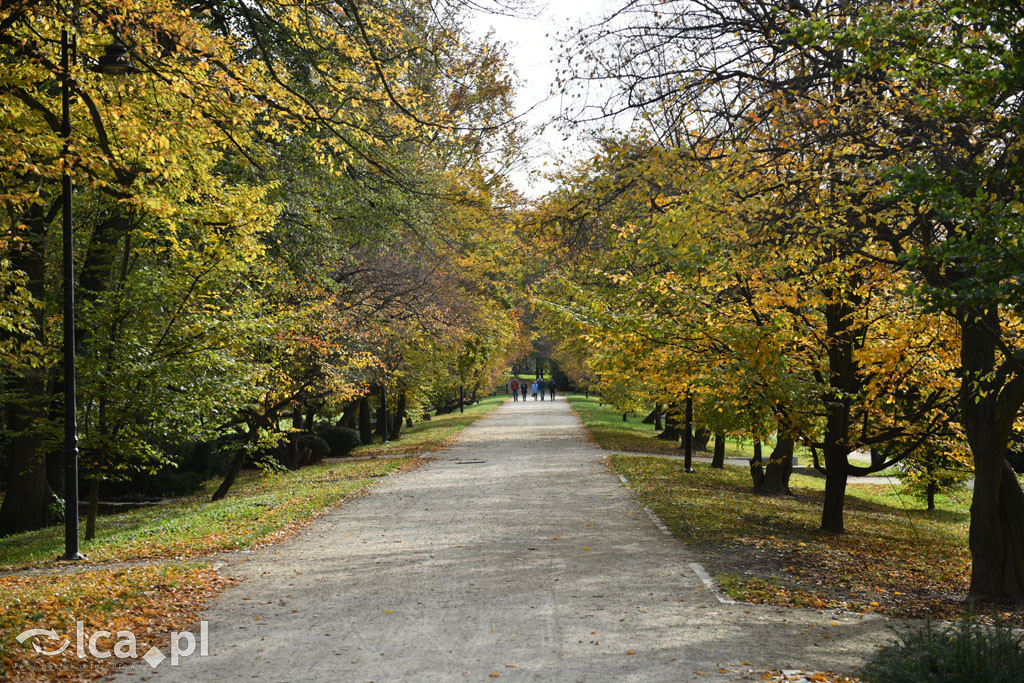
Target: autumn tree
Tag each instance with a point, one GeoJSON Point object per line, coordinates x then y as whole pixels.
{"type": "Point", "coordinates": [225, 194]}
{"type": "Point", "coordinates": [919, 100]}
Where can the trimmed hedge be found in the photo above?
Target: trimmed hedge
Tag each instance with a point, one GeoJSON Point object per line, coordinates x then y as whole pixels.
{"type": "Point", "coordinates": [340, 440]}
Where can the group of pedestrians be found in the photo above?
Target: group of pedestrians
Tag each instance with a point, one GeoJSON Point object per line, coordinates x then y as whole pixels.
{"type": "Point", "coordinates": [520, 387]}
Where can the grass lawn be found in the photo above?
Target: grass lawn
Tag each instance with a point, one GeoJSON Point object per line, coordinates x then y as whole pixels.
{"type": "Point", "coordinates": [895, 558]}
{"type": "Point", "coordinates": [149, 570]}
{"type": "Point", "coordinates": [146, 570]}
{"type": "Point", "coordinates": [633, 436]}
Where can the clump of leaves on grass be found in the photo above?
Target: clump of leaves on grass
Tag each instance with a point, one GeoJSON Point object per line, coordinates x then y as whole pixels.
{"type": "Point", "coordinates": [149, 601]}
{"type": "Point", "coordinates": [967, 652]}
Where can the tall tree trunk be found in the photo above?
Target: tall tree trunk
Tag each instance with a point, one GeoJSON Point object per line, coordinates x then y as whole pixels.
{"type": "Point", "coordinates": [756, 466]}
{"type": "Point", "coordinates": [718, 460]}
{"type": "Point", "coordinates": [236, 464]}
{"type": "Point", "coordinates": [229, 480]}
{"type": "Point", "coordinates": [842, 384]}
{"type": "Point", "coordinates": [382, 418]}
{"type": "Point", "coordinates": [348, 415]}
{"type": "Point", "coordinates": [365, 428]}
{"type": "Point", "coordinates": [396, 428]}
{"type": "Point", "coordinates": [997, 505]}
{"type": "Point", "coordinates": [673, 428]}
{"type": "Point", "coordinates": [775, 479]}
{"type": "Point", "coordinates": [657, 417]}
{"type": "Point", "coordinates": [701, 437]}
{"type": "Point", "coordinates": [836, 463]}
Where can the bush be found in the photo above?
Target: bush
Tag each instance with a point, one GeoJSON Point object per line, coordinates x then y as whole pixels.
{"type": "Point", "coordinates": [341, 440]}
{"type": "Point", "coordinates": [189, 465]}
{"type": "Point", "coordinates": [966, 653]}
{"type": "Point", "coordinates": [312, 448]}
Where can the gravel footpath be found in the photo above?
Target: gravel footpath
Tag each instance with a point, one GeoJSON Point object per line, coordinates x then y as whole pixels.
{"type": "Point", "coordinates": [516, 554]}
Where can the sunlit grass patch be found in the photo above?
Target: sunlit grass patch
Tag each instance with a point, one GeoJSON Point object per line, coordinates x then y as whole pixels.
{"type": "Point", "coordinates": [894, 558]}
{"type": "Point", "coordinates": [258, 508]}
{"type": "Point", "coordinates": [632, 435]}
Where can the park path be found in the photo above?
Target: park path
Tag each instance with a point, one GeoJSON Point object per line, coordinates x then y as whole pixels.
{"type": "Point", "coordinates": [515, 554]}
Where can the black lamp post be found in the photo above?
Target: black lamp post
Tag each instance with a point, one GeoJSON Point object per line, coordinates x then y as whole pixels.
{"type": "Point", "coordinates": [688, 437]}
{"type": "Point", "coordinates": [115, 61]}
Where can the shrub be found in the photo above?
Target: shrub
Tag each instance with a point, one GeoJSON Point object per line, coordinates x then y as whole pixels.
{"type": "Point", "coordinates": [966, 653]}
{"type": "Point", "coordinates": [312, 448]}
{"type": "Point", "coordinates": [340, 440]}
{"type": "Point", "coordinates": [189, 465]}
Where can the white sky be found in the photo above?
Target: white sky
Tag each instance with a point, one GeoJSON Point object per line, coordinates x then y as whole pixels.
{"type": "Point", "coordinates": [533, 47]}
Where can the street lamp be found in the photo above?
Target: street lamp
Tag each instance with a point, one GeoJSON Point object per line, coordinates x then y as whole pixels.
{"type": "Point", "coordinates": [688, 436]}
{"type": "Point", "coordinates": [115, 61]}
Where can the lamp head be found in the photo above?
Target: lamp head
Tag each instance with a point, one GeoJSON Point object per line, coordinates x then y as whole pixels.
{"type": "Point", "coordinates": [115, 61]}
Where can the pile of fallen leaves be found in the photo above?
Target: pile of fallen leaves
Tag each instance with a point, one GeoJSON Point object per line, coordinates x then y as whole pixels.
{"type": "Point", "coordinates": [149, 601]}
{"type": "Point", "coordinates": [149, 585]}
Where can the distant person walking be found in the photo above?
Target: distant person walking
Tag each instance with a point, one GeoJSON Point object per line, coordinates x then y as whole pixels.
{"type": "Point", "coordinates": [522, 388]}
{"type": "Point", "coordinates": [533, 391]}
{"type": "Point", "coordinates": [551, 389]}
{"type": "Point", "coordinates": [515, 389]}
{"type": "Point", "coordinates": [541, 387]}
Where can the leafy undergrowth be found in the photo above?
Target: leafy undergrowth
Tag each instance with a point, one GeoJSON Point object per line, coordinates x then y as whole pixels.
{"type": "Point", "coordinates": [163, 590]}
{"type": "Point", "coordinates": [892, 560]}
{"type": "Point", "coordinates": [149, 601]}
{"type": "Point", "coordinates": [434, 434]}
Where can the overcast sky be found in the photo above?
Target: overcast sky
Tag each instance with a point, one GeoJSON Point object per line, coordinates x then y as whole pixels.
{"type": "Point", "coordinates": [533, 48]}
